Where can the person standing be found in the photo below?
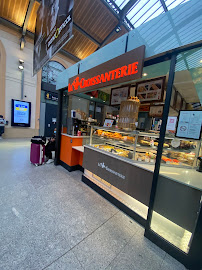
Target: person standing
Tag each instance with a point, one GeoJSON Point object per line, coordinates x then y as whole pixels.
{"type": "Point", "coordinates": [2, 125]}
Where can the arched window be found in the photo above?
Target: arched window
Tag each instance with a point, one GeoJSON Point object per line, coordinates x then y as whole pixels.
{"type": "Point", "coordinates": [50, 72]}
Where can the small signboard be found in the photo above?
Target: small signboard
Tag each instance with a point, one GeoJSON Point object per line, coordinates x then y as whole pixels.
{"type": "Point", "coordinates": [51, 96]}
{"type": "Point", "coordinates": [189, 125]}
{"type": "Point", "coordinates": [108, 123]}
{"type": "Point", "coordinates": [171, 123]}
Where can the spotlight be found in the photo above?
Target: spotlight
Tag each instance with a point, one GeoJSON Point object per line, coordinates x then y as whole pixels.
{"type": "Point", "coordinates": [144, 74]}
{"type": "Point", "coordinates": [21, 67]}
{"type": "Point", "coordinates": [21, 64]}
{"type": "Point", "coordinates": [91, 97]}
{"type": "Point", "coordinates": [118, 29]}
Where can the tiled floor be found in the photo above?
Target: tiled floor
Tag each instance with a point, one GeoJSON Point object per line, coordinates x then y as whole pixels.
{"type": "Point", "coordinates": [50, 220]}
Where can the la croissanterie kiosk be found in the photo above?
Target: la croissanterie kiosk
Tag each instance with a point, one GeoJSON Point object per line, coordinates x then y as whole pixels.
{"type": "Point", "coordinates": [148, 161]}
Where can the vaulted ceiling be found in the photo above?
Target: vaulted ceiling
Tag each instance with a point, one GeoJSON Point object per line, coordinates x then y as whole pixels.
{"type": "Point", "coordinates": [95, 23]}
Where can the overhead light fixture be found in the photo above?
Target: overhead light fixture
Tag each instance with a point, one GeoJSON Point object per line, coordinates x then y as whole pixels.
{"type": "Point", "coordinates": [91, 97]}
{"type": "Point", "coordinates": [22, 43]}
{"type": "Point", "coordinates": [103, 100]}
{"type": "Point", "coordinates": [118, 29]}
{"type": "Point", "coordinates": [144, 74]}
{"type": "Point", "coordinates": [201, 61]}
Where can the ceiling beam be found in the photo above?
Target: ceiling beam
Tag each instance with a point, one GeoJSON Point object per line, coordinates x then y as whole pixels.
{"type": "Point", "coordinates": [164, 5]}
{"type": "Point", "coordinates": [116, 11]}
{"type": "Point", "coordinates": [126, 8]}
{"type": "Point", "coordinates": [108, 37]}
{"type": "Point", "coordinates": [27, 16]}
{"type": "Point", "coordinates": [78, 28]}
{"type": "Point", "coordinates": [25, 23]}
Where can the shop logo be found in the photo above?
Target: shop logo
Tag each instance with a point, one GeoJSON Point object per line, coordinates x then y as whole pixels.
{"type": "Point", "coordinates": [104, 77]}
{"type": "Point", "coordinates": [103, 166]}
{"type": "Point", "coordinates": [58, 30]}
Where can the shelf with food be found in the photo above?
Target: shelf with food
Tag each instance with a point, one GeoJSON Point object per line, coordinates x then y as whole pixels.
{"type": "Point", "coordinates": [115, 150]}
{"type": "Point", "coordinates": [114, 129]}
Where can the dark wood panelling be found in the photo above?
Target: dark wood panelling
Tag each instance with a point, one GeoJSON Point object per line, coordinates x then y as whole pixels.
{"type": "Point", "coordinates": [80, 45]}
{"type": "Point", "coordinates": [95, 18]}
{"type": "Point", "coordinates": [14, 10]}
{"type": "Point", "coordinates": [32, 19]}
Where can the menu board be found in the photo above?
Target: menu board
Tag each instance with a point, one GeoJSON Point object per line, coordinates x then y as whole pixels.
{"type": "Point", "coordinates": [189, 124]}
{"type": "Point", "coordinates": [150, 90]}
{"type": "Point", "coordinates": [119, 94]}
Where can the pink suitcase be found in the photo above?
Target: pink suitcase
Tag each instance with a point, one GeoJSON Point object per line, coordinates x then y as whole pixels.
{"type": "Point", "coordinates": [37, 154]}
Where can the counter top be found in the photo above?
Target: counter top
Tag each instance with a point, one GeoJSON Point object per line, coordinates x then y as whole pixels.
{"type": "Point", "coordinates": [186, 176]}
{"type": "Point", "coordinates": [76, 137]}
{"type": "Point", "coordinates": [79, 148]}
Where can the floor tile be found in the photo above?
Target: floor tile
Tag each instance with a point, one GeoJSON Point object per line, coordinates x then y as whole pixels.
{"type": "Point", "coordinates": [49, 219]}
{"type": "Point", "coordinates": [169, 263]}
{"type": "Point", "coordinates": [66, 262]}
{"type": "Point", "coordinates": [102, 246]}
{"type": "Point", "coordinates": [139, 253]}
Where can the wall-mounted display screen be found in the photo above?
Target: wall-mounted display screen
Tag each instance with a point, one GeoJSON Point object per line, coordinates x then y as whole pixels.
{"type": "Point", "coordinates": [20, 113]}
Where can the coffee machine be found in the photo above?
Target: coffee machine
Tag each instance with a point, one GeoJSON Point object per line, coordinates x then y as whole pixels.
{"type": "Point", "coordinates": [73, 125]}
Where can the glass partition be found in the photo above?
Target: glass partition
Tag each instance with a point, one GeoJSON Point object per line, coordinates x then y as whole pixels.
{"type": "Point", "coordinates": [178, 194]}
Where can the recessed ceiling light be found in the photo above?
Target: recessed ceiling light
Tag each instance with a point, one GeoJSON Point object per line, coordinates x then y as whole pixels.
{"type": "Point", "coordinates": [103, 100]}
{"type": "Point", "coordinates": [91, 97]}
{"type": "Point", "coordinates": [145, 74]}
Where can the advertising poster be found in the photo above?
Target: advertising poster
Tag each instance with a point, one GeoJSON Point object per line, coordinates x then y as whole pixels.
{"type": "Point", "coordinates": [189, 125]}
{"type": "Point", "coordinates": [20, 113]}
{"type": "Point", "coordinates": [150, 90]}
{"type": "Point", "coordinates": [53, 30]}
{"type": "Point", "coordinates": [119, 94]}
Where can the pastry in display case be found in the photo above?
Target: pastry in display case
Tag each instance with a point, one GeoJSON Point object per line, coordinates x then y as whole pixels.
{"type": "Point", "coordinates": [142, 147]}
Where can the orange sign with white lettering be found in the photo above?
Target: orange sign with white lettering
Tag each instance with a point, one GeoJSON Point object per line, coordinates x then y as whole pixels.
{"type": "Point", "coordinates": [124, 68]}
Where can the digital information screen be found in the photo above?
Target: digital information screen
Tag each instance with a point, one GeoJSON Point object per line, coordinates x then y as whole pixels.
{"type": "Point", "coordinates": [20, 113]}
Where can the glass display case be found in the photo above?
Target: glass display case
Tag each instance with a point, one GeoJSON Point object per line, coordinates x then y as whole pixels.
{"type": "Point", "coordinates": [142, 147]}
